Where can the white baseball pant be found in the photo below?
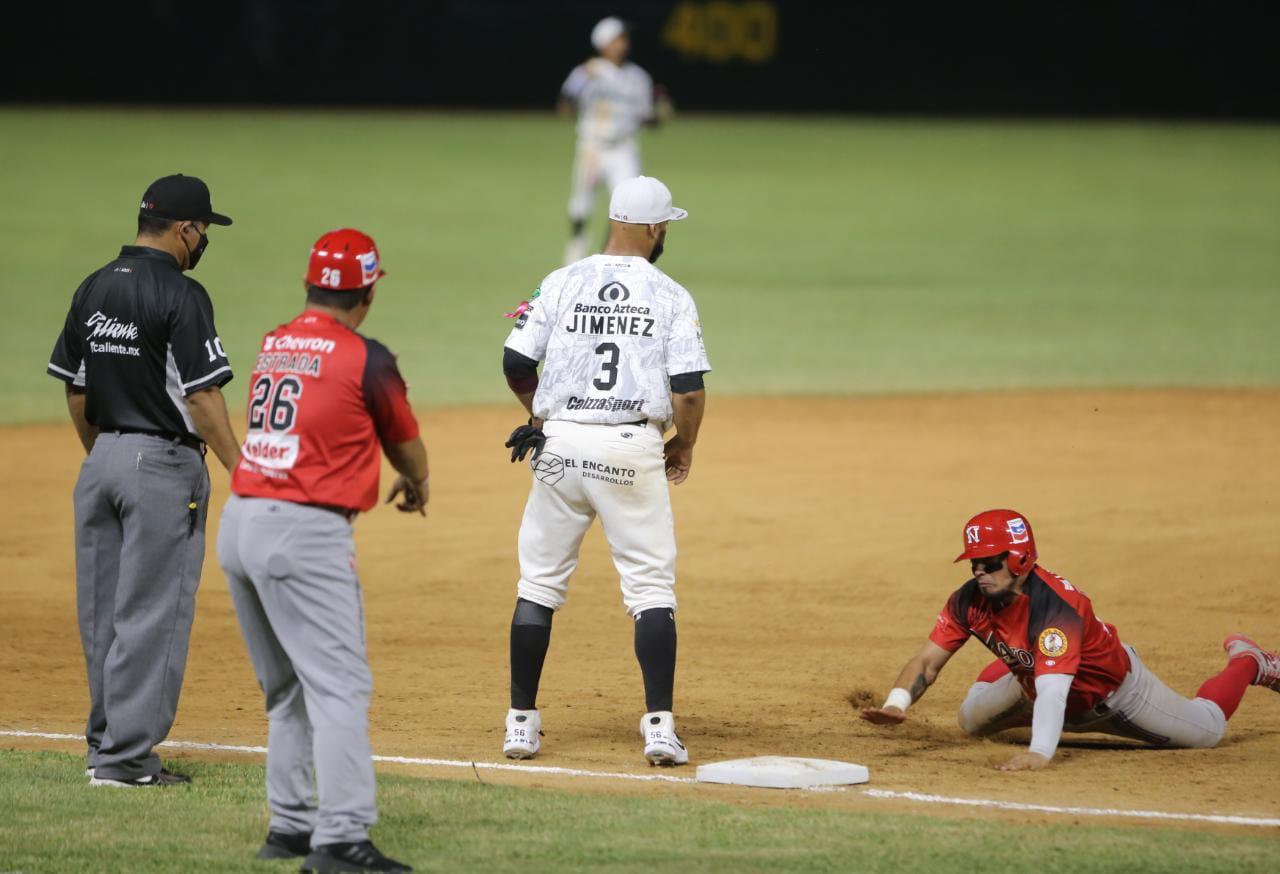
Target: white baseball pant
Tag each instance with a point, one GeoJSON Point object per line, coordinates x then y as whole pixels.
{"type": "Point", "coordinates": [594, 163]}
{"type": "Point", "coordinates": [615, 472]}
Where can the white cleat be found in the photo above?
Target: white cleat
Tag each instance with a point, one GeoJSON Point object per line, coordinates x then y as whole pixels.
{"type": "Point", "coordinates": [661, 745]}
{"type": "Point", "coordinates": [524, 728]}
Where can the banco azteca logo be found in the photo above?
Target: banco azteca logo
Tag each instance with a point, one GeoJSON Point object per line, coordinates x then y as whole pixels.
{"type": "Point", "coordinates": [614, 292]}
{"type": "Point", "coordinates": [548, 468]}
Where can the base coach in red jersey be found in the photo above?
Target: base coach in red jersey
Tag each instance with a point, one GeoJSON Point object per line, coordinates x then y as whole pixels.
{"type": "Point", "coordinates": [1058, 666]}
{"type": "Point", "coordinates": [143, 367]}
{"type": "Point", "coordinates": [323, 402]}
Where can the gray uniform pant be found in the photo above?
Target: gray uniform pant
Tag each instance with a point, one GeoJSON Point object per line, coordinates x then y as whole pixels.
{"type": "Point", "coordinates": [139, 548]}
{"type": "Point", "coordinates": [1142, 708]}
{"type": "Point", "coordinates": [291, 571]}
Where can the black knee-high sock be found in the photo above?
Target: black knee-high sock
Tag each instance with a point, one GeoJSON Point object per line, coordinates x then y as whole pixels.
{"type": "Point", "coordinates": [656, 652]}
{"type": "Point", "coordinates": [530, 637]}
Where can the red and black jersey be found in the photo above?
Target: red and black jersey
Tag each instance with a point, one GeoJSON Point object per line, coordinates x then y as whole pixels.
{"type": "Point", "coordinates": [322, 401]}
{"type": "Point", "coordinates": [1048, 628]}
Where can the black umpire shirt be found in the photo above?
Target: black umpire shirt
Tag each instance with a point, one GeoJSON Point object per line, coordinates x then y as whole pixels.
{"type": "Point", "coordinates": [139, 338]}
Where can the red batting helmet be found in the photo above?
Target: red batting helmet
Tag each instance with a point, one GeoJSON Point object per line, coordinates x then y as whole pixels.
{"type": "Point", "coordinates": [992, 532]}
{"type": "Point", "coordinates": [344, 260]}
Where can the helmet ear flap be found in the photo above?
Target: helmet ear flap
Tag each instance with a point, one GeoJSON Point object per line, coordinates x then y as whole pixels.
{"type": "Point", "coordinates": [1020, 562]}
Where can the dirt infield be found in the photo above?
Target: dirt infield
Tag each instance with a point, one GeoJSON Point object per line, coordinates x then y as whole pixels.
{"type": "Point", "coordinates": [816, 539]}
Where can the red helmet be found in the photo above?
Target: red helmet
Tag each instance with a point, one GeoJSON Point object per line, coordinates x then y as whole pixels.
{"type": "Point", "coordinates": [992, 532]}
{"type": "Point", "coordinates": [344, 260]}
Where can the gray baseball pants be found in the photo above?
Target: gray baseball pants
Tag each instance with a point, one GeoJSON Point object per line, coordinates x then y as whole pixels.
{"type": "Point", "coordinates": [291, 571]}
{"type": "Point", "coordinates": [139, 548]}
{"type": "Point", "coordinates": [1142, 708]}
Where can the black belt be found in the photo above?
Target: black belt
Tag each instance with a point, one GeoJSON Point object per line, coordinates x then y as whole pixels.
{"type": "Point", "coordinates": [188, 440]}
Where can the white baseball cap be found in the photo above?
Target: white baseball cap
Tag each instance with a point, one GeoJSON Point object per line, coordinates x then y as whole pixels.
{"type": "Point", "coordinates": [643, 200]}
{"type": "Point", "coordinates": [606, 31]}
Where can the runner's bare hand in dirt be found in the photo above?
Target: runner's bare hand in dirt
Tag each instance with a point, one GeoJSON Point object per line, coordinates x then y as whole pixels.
{"type": "Point", "coordinates": [1024, 761]}
{"type": "Point", "coordinates": [884, 715]}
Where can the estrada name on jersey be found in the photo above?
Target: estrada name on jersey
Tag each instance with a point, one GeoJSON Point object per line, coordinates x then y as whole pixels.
{"type": "Point", "coordinates": [613, 101]}
{"type": "Point", "coordinates": [612, 331]}
{"type": "Point", "coordinates": [323, 398]}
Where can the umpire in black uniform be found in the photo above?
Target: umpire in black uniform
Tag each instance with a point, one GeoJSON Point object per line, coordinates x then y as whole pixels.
{"type": "Point", "coordinates": [143, 367]}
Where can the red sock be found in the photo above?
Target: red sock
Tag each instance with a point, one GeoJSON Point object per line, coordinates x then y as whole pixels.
{"type": "Point", "coordinates": [1227, 688]}
{"type": "Point", "coordinates": [993, 672]}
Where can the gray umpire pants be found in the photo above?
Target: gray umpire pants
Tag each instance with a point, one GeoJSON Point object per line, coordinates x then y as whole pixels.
{"type": "Point", "coordinates": [291, 571]}
{"type": "Point", "coordinates": [139, 548]}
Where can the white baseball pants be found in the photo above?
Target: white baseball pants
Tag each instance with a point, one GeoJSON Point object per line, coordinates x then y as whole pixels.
{"type": "Point", "coordinates": [594, 164]}
{"type": "Point", "coordinates": [1143, 708]}
{"type": "Point", "coordinates": [615, 472]}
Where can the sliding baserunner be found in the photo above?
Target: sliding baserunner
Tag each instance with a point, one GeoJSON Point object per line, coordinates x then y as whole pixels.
{"type": "Point", "coordinates": [1058, 666]}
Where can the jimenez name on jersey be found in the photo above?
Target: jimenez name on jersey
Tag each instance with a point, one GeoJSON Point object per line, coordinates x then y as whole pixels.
{"type": "Point", "coordinates": [620, 319]}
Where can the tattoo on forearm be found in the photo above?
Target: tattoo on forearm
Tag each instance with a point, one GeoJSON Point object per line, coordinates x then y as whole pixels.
{"type": "Point", "coordinates": [918, 687]}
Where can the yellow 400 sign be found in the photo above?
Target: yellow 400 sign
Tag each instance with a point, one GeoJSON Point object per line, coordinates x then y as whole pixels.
{"type": "Point", "coordinates": [720, 31]}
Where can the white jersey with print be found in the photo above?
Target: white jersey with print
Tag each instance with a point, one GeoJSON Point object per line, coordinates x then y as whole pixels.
{"type": "Point", "coordinates": [612, 331]}
{"type": "Point", "coordinates": [613, 101]}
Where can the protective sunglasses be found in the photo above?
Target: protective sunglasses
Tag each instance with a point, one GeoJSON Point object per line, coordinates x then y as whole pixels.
{"type": "Point", "coordinates": [988, 565]}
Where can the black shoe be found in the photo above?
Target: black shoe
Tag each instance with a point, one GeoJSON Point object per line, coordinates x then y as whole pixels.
{"type": "Point", "coordinates": [164, 778]}
{"type": "Point", "coordinates": [285, 845]}
{"type": "Point", "coordinates": [362, 856]}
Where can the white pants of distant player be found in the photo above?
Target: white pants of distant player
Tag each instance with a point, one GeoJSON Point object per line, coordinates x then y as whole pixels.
{"type": "Point", "coordinates": [595, 163]}
{"type": "Point", "coordinates": [1142, 708]}
{"type": "Point", "coordinates": [615, 472]}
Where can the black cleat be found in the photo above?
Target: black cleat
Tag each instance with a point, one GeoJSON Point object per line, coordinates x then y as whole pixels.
{"type": "Point", "coordinates": [362, 856]}
{"type": "Point", "coordinates": [164, 778]}
{"type": "Point", "coordinates": [285, 845]}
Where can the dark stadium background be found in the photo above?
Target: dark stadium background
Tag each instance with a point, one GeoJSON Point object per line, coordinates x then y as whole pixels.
{"type": "Point", "coordinates": [1139, 59]}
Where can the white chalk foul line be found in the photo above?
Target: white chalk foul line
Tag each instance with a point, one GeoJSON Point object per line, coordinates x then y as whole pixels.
{"type": "Point", "coordinates": [1220, 819]}
{"type": "Point", "coordinates": [920, 797]}
{"type": "Point", "coordinates": [399, 760]}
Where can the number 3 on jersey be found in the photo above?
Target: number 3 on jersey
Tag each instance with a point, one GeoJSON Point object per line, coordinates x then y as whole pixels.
{"type": "Point", "coordinates": [273, 403]}
{"type": "Point", "coordinates": [609, 367]}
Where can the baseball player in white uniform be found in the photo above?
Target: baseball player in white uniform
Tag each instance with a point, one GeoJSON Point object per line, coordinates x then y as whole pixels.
{"type": "Point", "coordinates": [623, 361]}
{"type": "Point", "coordinates": [613, 98]}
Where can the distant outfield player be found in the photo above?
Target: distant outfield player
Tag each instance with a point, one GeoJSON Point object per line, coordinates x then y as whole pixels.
{"type": "Point", "coordinates": [613, 98]}
{"type": "Point", "coordinates": [1058, 666]}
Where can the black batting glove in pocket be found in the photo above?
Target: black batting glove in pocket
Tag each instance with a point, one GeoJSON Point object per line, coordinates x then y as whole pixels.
{"type": "Point", "coordinates": [525, 439]}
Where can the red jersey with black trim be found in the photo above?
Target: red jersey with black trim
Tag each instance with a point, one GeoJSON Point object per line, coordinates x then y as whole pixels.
{"type": "Point", "coordinates": [322, 401]}
{"type": "Point", "coordinates": [1048, 628]}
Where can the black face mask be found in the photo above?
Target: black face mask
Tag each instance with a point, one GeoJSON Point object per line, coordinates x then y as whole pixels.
{"type": "Point", "coordinates": [657, 248]}
{"type": "Point", "coordinates": [193, 255]}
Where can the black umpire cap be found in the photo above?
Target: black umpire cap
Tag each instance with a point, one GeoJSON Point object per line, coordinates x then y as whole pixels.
{"type": "Point", "coordinates": [181, 198]}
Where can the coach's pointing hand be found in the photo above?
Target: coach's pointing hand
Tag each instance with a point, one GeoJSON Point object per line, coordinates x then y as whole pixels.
{"type": "Point", "coordinates": [416, 494]}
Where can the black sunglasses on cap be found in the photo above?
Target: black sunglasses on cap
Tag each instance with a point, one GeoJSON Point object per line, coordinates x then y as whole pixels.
{"type": "Point", "coordinates": [988, 565]}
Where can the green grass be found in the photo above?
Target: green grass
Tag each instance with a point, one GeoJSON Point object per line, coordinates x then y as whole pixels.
{"type": "Point", "coordinates": [53, 822]}
{"type": "Point", "coordinates": [827, 256]}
